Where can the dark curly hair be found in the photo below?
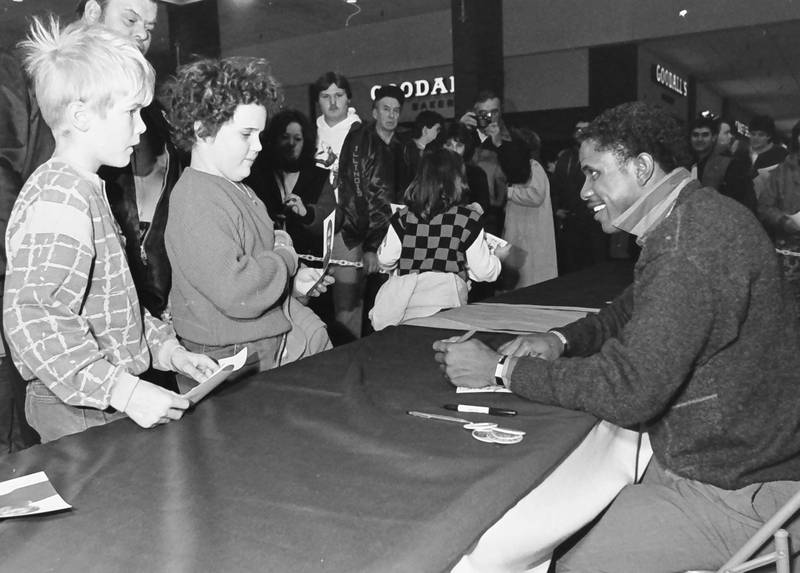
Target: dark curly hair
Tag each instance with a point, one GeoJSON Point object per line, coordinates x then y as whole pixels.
{"type": "Point", "coordinates": [636, 127]}
{"type": "Point", "coordinates": [209, 91]}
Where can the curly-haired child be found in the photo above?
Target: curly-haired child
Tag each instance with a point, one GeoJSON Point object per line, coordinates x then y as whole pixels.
{"type": "Point", "coordinates": [72, 318]}
{"type": "Point", "coordinates": [436, 245]}
{"type": "Point", "coordinates": [231, 271]}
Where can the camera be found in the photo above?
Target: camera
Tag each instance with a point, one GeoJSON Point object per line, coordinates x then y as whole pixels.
{"type": "Point", "coordinates": [483, 118]}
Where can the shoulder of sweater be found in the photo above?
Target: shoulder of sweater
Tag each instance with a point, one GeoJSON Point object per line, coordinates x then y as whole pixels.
{"type": "Point", "coordinates": [195, 186]}
{"type": "Point", "coordinates": [58, 182]}
{"type": "Point", "coordinates": [703, 216]}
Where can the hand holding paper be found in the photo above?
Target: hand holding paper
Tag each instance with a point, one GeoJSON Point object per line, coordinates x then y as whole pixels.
{"type": "Point", "coordinates": [226, 367]}
{"type": "Point", "coordinates": [311, 282]}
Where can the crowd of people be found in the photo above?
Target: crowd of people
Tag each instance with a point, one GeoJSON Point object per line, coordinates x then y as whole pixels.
{"type": "Point", "coordinates": [146, 237]}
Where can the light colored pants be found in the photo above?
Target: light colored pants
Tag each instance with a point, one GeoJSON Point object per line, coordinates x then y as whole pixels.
{"type": "Point", "coordinates": [671, 524]}
{"type": "Point", "coordinates": [581, 487]}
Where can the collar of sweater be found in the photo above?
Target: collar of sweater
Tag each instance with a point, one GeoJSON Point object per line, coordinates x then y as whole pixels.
{"type": "Point", "coordinates": [654, 205]}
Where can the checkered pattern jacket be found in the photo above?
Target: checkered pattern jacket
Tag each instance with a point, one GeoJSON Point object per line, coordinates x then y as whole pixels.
{"type": "Point", "coordinates": [437, 245]}
{"type": "Point", "coordinates": [70, 310]}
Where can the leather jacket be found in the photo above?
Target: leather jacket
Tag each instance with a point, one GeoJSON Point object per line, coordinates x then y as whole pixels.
{"type": "Point", "coordinates": [372, 175]}
{"type": "Point", "coordinates": [150, 267]}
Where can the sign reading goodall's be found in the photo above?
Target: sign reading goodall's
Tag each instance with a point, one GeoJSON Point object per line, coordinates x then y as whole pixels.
{"type": "Point", "coordinates": [671, 80]}
{"type": "Point", "coordinates": [422, 88]}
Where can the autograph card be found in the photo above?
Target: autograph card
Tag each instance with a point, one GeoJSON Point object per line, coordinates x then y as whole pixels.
{"type": "Point", "coordinates": [226, 367]}
{"type": "Point", "coordinates": [28, 495]}
{"type": "Point", "coordinates": [494, 241]}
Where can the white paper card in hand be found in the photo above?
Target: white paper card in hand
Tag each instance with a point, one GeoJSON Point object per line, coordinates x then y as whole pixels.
{"type": "Point", "coordinates": [226, 367]}
{"type": "Point", "coordinates": [494, 241]}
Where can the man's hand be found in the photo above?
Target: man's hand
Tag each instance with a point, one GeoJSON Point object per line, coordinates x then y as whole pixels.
{"type": "Point", "coordinates": [195, 366]}
{"type": "Point", "coordinates": [469, 120]}
{"type": "Point", "coordinates": [370, 262]}
{"type": "Point", "coordinates": [150, 405]}
{"type": "Point", "coordinates": [470, 364]}
{"type": "Point", "coordinates": [495, 134]}
{"type": "Point", "coordinates": [545, 345]}
{"type": "Point", "coordinates": [295, 203]}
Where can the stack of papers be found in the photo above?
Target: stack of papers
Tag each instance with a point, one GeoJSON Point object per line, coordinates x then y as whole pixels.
{"type": "Point", "coordinates": [510, 318]}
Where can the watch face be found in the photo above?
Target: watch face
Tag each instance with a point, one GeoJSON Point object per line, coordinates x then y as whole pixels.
{"type": "Point", "coordinates": [499, 371]}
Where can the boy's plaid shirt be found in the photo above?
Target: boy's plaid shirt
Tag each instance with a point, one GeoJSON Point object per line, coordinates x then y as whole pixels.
{"type": "Point", "coordinates": [70, 310]}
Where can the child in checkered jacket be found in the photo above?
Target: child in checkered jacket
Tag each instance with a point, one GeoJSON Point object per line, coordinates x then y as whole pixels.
{"type": "Point", "coordinates": [435, 245]}
{"type": "Point", "coordinates": [73, 321]}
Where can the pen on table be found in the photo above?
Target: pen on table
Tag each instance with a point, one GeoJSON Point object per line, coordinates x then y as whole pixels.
{"type": "Point", "coordinates": [466, 336]}
{"type": "Point", "coordinates": [480, 409]}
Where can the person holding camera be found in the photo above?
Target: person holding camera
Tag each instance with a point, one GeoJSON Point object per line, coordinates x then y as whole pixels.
{"type": "Point", "coordinates": [504, 158]}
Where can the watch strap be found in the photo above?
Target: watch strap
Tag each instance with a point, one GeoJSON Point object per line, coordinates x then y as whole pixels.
{"type": "Point", "coordinates": [500, 371]}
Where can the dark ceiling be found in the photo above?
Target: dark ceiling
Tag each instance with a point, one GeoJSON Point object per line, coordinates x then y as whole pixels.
{"type": "Point", "coordinates": [759, 67]}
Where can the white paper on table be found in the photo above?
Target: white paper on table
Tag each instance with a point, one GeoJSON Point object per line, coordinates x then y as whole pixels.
{"type": "Point", "coordinates": [501, 389]}
{"type": "Point", "coordinates": [28, 495]}
{"type": "Point", "coordinates": [503, 317]}
{"type": "Point", "coordinates": [226, 367]}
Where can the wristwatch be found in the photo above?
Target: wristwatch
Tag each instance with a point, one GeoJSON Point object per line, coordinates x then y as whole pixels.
{"type": "Point", "coordinates": [500, 372]}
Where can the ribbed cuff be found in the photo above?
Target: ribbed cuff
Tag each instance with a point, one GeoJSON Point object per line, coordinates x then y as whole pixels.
{"type": "Point", "coordinates": [122, 390]}
{"type": "Point", "coordinates": [289, 256]}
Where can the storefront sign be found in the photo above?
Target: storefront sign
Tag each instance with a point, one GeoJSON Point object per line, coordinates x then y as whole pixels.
{"type": "Point", "coordinates": [423, 88]}
{"type": "Point", "coordinates": [671, 80]}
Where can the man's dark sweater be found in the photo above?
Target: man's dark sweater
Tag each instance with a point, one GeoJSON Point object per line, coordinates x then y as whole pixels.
{"type": "Point", "coordinates": [703, 350]}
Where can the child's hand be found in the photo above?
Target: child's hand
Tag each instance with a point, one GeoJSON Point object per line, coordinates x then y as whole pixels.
{"type": "Point", "coordinates": [475, 206]}
{"type": "Point", "coordinates": [150, 405]}
{"type": "Point", "coordinates": [306, 278]}
{"type": "Point", "coordinates": [282, 239]}
{"type": "Point", "coordinates": [502, 252]}
{"type": "Point", "coordinates": [196, 366]}
{"type": "Point", "coordinates": [370, 262]}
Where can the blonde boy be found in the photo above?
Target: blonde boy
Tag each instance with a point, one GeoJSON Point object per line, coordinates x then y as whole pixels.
{"type": "Point", "coordinates": [77, 332]}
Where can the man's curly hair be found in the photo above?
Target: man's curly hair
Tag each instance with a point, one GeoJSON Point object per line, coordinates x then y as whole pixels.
{"type": "Point", "coordinates": [636, 127]}
{"type": "Point", "coordinates": [209, 91]}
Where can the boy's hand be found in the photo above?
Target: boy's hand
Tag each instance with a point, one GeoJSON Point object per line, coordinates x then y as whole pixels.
{"type": "Point", "coordinates": [306, 278]}
{"type": "Point", "coordinates": [196, 366]}
{"type": "Point", "coordinates": [150, 405]}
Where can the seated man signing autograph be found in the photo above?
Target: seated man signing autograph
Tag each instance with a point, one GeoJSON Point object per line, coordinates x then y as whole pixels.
{"type": "Point", "coordinates": [701, 351]}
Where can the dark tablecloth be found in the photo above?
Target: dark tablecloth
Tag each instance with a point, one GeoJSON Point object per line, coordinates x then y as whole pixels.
{"type": "Point", "coordinates": [311, 467]}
